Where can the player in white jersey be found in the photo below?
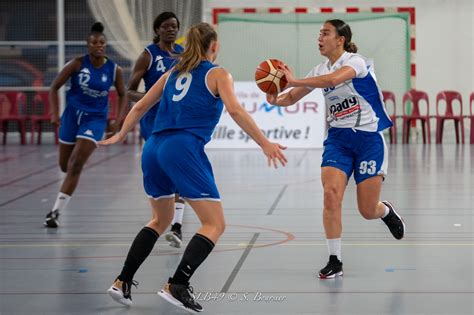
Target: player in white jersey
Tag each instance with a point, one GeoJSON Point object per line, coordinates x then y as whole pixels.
{"type": "Point", "coordinates": [356, 118]}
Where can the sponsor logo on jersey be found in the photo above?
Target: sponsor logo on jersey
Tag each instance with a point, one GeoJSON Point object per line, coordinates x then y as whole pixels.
{"type": "Point", "coordinates": [85, 70]}
{"type": "Point", "coordinates": [345, 108]}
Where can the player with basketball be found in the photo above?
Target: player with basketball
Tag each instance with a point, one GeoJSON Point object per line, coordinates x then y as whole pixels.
{"type": "Point", "coordinates": [354, 144]}
{"type": "Point", "coordinates": [153, 62]}
{"type": "Point", "coordinates": [192, 96]}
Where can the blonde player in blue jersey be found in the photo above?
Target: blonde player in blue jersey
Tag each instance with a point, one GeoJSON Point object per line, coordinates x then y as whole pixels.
{"type": "Point", "coordinates": [192, 96]}
{"type": "Point", "coordinates": [84, 119]}
{"type": "Point", "coordinates": [355, 144]}
{"type": "Point", "coordinates": [153, 62]}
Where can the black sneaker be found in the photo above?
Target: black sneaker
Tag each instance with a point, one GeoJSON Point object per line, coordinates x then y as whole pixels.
{"type": "Point", "coordinates": [332, 270]}
{"type": "Point", "coordinates": [394, 222]}
{"type": "Point", "coordinates": [174, 237]}
{"type": "Point", "coordinates": [182, 296]}
{"type": "Point", "coordinates": [121, 291]}
{"type": "Point", "coordinates": [51, 220]}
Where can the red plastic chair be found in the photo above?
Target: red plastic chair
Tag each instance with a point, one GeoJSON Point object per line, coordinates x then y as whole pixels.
{"type": "Point", "coordinates": [41, 113]}
{"type": "Point", "coordinates": [389, 96]}
{"type": "Point", "coordinates": [471, 112]}
{"type": "Point", "coordinates": [449, 97]}
{"type": "Point", "coordinates": [13, 109]}
{"type": "Point", "coordinates": [414, 97]}
{"type": "Point", "coordinates": [113, 108]}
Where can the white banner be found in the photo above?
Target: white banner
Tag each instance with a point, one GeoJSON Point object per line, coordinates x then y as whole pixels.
{"type": "Point", "coordinates": [301, 125]}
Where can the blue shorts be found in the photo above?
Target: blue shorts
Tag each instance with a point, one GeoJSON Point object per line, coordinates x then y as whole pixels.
{"type": "Point", "coordinates": [76, 123]}
{"type": "Point", "coordinates": [176, 162]}
{"type": "Point", "coordinates": [361, 152]}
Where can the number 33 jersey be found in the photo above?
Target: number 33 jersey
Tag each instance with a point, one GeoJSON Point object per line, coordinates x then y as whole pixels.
{"type": "Point", "coordinates": [356, 103]}
{"type": "Point", "coordinates": [188, 104]}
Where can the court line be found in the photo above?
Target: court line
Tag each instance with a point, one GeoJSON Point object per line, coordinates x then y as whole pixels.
{"type": "Point", "coordinates": [8, 158]}
{"type": "Point", "coordinates": [248, 292]}
{"type": "Point", "coordinates": [59, 179]}
{"type": "Point", "coordinates": [29, 174]}
{"type": "Point", "coordinates": [239, 264]}
{"type": "Point", "coordinates": [288, 238]}
{"type": "Point", "coordinates": [302, 158]}
{"type": "Point", "coordinates": [241, 245]}
{"type": "Point", "coordinates": [277, 200]}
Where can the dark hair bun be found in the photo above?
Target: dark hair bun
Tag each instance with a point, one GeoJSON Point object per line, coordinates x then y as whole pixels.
{"type": "Point", "coordinates": [351, 47]}
{"type": "Point", "coordinates": [97, 27]}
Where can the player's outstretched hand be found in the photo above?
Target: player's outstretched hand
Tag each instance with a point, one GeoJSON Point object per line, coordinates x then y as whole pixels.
{"type": "Point", "coordinates": [274, 153]}
{"type": "Point", "coordinates": [114, 139]}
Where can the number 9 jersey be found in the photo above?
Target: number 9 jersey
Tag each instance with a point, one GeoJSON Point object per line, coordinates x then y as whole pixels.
{"type": "Point", "coordinates": [188, 104]}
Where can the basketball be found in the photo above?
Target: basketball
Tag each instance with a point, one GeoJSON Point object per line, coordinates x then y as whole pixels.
{"type": "Point", "coordinates": [268, 78]}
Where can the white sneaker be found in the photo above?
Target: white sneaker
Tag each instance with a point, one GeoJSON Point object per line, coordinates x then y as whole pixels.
{"type": "Point", "coordinates": [174, 238]}
{"type": "Point", "coordinates": [121, 291]}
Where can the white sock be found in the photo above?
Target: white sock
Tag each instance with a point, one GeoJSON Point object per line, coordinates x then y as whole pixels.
{"type": "Point", "coordinates": [334, 247]}
{"type": "Point", "coordinates": [387, 210]}
{"type": "Point", "coordinates": [178, 213]}
{"type": "Point", "coordinates": [61, 202]}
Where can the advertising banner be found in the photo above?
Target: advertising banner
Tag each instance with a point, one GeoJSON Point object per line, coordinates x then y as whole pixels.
{"type": "Point", "coordinates": [301, 125]}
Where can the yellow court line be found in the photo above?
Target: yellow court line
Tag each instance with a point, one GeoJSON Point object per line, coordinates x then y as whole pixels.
{"type": "Point", "coordinates": [244, 244]}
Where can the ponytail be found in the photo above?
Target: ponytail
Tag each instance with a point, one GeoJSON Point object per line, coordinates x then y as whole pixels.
{"type": "Point", "coordinates": [198, 41]}
{"type": "Point", "coordinates": [350, 47]}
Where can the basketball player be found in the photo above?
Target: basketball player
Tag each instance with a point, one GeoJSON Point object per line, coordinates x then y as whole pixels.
{"type": "Point", "coordinates": [192, 96]}
{"type": "Point", "coordinates": [85, 116]}
{"type": "Point", "coordinates": [354, 144]}
{"type": "Point", "coordinates": [154, 61]}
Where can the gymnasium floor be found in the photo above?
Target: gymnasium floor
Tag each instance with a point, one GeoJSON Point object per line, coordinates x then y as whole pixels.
{"type": "Point", "coordinates": [268, 257]}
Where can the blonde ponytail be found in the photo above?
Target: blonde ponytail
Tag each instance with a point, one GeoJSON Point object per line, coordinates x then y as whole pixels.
{"type": "Point", "coordinates": [198, 41]}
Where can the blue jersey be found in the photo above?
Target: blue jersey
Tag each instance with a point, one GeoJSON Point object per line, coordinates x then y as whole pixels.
{"type": "Point", "coordinates": [90, 86]}
{"type": "Point", "coordinates": [160, 62]}
{"type": "Point", "coordinates": [188, 104]}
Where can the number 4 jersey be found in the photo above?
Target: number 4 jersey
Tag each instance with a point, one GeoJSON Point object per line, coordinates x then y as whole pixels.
{"type": "Point", "coordinates": [355, 103]}
{"type": "Point", "coordinates": [188, 104]}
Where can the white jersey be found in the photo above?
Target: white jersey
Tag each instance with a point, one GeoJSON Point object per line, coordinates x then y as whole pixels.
{"type": "Point", "coordinates": [356, 103]}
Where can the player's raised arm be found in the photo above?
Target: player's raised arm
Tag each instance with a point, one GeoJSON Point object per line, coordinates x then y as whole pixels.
{"type": "Point", "coordinates": [225, 88]}
{"type": "Point", "coordinates": [138, 110]}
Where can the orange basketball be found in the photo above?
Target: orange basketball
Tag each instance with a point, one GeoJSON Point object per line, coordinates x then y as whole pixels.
{"type": "Point", "coordinates": [268, 78]}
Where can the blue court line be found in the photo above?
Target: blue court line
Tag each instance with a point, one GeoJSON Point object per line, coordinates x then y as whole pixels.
{"type": "Point", "coordinates": [399, 269]}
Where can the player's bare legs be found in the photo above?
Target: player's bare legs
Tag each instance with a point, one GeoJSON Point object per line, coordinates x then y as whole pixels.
{"type": "Point", "coordinates": [71, 160]}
